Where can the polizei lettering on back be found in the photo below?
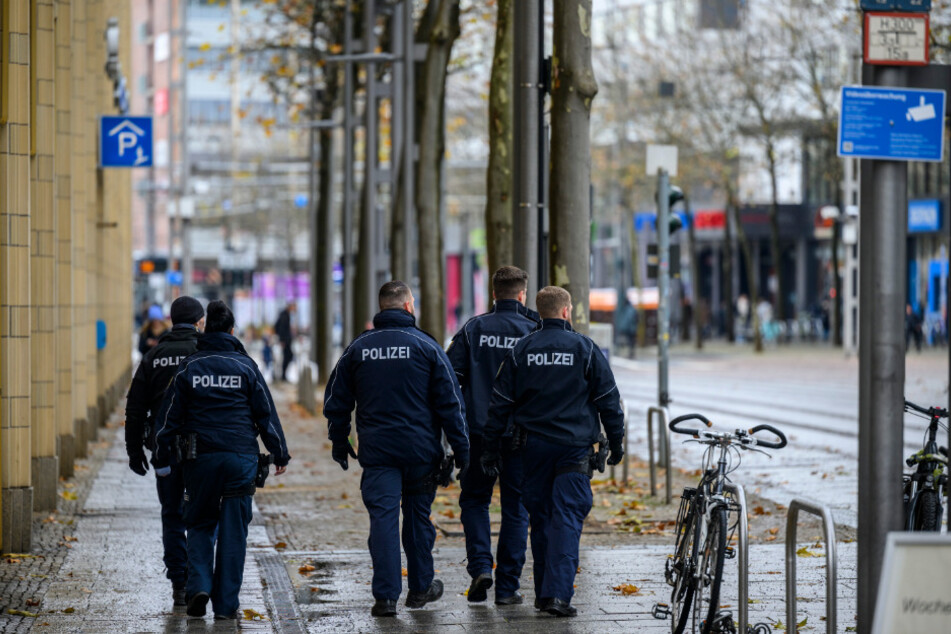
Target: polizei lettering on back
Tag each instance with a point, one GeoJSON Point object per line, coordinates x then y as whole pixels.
{"type": "Point", "coordinates": [497, 341]}
{"type": "Point", "coordinates": [387, 352]}
{"type": "Point", "coordinates": [232, 382]}
{"type": "Point", "coordinates": [551, 358]}
{"type": "Point", "coordinates": [166, 362]}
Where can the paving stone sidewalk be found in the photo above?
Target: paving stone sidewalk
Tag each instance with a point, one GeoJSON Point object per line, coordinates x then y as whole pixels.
{"type": "Point", "coordinates": [101, 571]}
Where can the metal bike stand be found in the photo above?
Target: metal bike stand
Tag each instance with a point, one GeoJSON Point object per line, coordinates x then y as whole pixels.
{"type": "Point", "coordinates": [664, 446]}
{"type": "Point", "coordinates": [828, 527]}
{"type": "Point", "coordinates": [743, 557]}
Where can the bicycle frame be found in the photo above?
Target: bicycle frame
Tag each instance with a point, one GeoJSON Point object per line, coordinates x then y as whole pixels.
{"type": "Point", "coordinates": [930, 470]}
{"type": "Point", "coordinates": [709, 499]}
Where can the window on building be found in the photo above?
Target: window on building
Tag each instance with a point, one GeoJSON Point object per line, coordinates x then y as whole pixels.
{"type": "Point", "coordinates": [720, 14]}
{"type": "Point", "coordinates": [209, 111]}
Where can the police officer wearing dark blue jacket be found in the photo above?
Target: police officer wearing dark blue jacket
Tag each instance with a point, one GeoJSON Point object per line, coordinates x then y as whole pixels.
{"type": "Point", "coordinates": [558, 389]}
{"type": "Point", "coordinates": [476, 352]}
{"type": "Point", "coordinates": [406, 396]}
{"type": "Point", "coordinates": [216, 406]}
{"type": "Point", "coordinates": [152, 377]}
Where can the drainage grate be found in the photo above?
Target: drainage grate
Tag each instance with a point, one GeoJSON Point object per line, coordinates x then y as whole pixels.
{"type": "Point", "coordinates": [280, 594]}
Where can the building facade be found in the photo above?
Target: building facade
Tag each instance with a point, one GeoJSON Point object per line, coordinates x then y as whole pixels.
{"type": "Point", "coordinates": [65, 236]}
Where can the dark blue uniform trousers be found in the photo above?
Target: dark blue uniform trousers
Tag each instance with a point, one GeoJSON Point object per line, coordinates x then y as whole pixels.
{"type": "Point", "coordinates": [513, 533]}
{"type": "Point", "coordinates": [171, 491]}
{"type": "Point", "coordinates": [382, 488]}
{"type": "Point", "coordinates": [557, 506]}
{"type": "Point", "coordinates": [219, 570]}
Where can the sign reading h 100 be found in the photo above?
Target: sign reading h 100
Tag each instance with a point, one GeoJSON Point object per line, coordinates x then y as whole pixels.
{"type": "Point", "coordinates": [899, 39]}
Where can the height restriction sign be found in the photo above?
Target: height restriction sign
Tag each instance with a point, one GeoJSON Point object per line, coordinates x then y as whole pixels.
{"type": "Point", "coordinates": [896, 39]}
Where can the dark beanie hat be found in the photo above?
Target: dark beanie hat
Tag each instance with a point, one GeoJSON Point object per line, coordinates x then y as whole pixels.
{"type": "Point", "coordinates": [186, 310]}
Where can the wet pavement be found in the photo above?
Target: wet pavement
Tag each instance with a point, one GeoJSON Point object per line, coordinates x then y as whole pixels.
{"type": "Point", "coordinates": [100, 570]}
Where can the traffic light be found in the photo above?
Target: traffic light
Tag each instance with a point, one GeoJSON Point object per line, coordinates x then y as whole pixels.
{"type": "Point", "coordinates": [675, 195]}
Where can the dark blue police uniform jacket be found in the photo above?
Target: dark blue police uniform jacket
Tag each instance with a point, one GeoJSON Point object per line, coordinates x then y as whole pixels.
{"type": "Point", "coordinates": [219, 394]}
{"type": "Point", "coordinates": [407, 394]}
{"type": "Point", "coordinates": [477, 351]}
{"type": "Point", "coordinates": [556, 383]}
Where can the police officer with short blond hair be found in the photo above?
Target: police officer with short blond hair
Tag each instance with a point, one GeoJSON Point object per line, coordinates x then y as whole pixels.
{"type": "Point", "coordinates": [557, 387]}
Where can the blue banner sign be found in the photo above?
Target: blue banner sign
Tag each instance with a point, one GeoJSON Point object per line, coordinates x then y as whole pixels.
{"type": "Point", "coordinates": [896, 5]}
{"type": "Point", "coordinates": [125, 141]}
{"type": "Point", "coordinates": [892, 124]}
{"type": "Point", "coordinates": [924, 215]}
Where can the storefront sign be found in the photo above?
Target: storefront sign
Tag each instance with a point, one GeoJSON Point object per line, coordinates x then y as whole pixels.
{"type": "Point", "coordinates": [924, 215]}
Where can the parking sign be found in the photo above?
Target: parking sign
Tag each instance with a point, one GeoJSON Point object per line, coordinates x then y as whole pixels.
{"type": "Point", "coordinates": [125, 141]}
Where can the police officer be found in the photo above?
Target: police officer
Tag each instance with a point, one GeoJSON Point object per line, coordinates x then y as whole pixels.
{"type": "Point", "coordinates": [153, 375]}
{"type": "Point", "coordinates": [217, 405]}
{"type": "Point", "coordinates": [555, 385]}
{"type": "Point", "coordinates": [407, 396]}
{"type": "Point", "coordinates": [476, 352]}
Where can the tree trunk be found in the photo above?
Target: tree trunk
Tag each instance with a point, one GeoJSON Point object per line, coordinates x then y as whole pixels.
{"type": "Point", "coordinates": [694, 276]}
{"type": "Point", "coordinates": [573, 88]}
{"type": "Point", "coordinates": [325, 245]}
{"type": "Point", "coordinates": [363, 308]}
{"type": "Point", "coordinates": [432, 298]}
{"type": "Point", "coordinates": [777, 256]}
{"type": "Point", "coordinates": [752, 275]}
{"type": "Point", "coordinates": [498, 204]}
{"type": "Point", "coordinates": [400, 260]}
{"type": "Point", "coordinates": [727, 293]}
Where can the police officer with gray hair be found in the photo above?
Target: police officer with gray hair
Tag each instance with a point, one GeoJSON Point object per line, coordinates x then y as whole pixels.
{"type": "Point", "coordinates": [216, 407]}
{"type": "Point", "coordinates": [558, 389]}
{"type": "Point", "coordinates": [152, 377]}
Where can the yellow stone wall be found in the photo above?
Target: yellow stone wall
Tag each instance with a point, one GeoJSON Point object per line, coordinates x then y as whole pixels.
{"type": "Point", "coordinates": [65, 249]}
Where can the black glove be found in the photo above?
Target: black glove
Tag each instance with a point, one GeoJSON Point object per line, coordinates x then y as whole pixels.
{"type": "Point", "coordinates": [462, 464]}
{"type": "Point", "coordinates": [491, 463]}
{"type": "Point", "coordinates": [617, 452]}
{"type": "Point", "coordinates": [139, 463]}
{"type": "Point", "coordinates": [341, 449]}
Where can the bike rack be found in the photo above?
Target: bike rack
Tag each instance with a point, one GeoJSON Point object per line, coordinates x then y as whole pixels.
{"type": "Point", "coordinates": [828, 527]}
{"type": "Point", "coordinates": [743, 557]}
{"type": "Point", "coordinates": [664, 446]}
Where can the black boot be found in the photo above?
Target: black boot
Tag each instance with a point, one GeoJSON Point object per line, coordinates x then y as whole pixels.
{"type": "Point", "coordinates": [384, 607]}
{"type": "Point", "coordinates": [478, 588]}
{"type": "Point", "coordinates": [512, 599]}
{"type": "Point", "coordinates": [196, 604]}
{"type": "Point", "coordinates": [561, 608]}
{"type": "Point", "coordinates": [542, 603]}
{"type": "Point", "coordinates": [178, 593]}
{"type": "Point", "coordinates": [419, 599]}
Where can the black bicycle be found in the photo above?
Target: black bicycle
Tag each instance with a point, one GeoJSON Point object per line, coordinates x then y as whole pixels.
{"type": "Point", "coordinates": [706, 526]}
{"type": "Point", "coordinates": [923, 489]}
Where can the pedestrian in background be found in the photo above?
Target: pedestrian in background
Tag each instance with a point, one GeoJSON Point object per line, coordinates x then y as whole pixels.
{"type": "Point", "coordinates": [153, 328]}
{"type": "Point", "coordinates": [216, 406]}
{"type": "Point", "coordinates": [476, 352]}
{"type": "Point", "coordinates": [284, 330]}
{"type": "Point", "coordinates": [556, 386]}
{"type": "Point", "coordinates": [406, 395]}
{"type": "Point", "coordinates": [151, 379]}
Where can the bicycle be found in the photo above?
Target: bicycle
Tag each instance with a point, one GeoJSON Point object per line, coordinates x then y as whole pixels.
{"type": "Point", "coordinates": [704, 532]}
{"type": "Point", "coordinates": [923, 489]}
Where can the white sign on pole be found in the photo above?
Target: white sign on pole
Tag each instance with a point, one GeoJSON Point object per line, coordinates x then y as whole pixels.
{"type": "Point", "coordinates": [661, 157]}
{"type": "Point", "coordinates": [896, 39]}
{"type": "Point", "coordinates": [161, 47]}
{"type": "Point", "coordinates": [913, 590]}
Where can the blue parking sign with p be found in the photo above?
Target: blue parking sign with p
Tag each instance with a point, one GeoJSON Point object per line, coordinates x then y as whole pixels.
{"type": "Point", "coordinates": [125, 141]}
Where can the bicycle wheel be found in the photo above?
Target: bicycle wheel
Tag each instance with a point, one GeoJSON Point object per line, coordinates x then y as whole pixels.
{"type": "Point", "coordinates": [927, 511]}
{"type": "Point", "coordinates": [707, 595]}
{"type": "Point", "coordinates": [682, 565]}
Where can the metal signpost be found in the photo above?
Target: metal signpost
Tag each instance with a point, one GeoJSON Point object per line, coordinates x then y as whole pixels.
{"type": "Point", "coordinates": [887, 127]}
{"type": "Point", "coordinates": [125, 141]}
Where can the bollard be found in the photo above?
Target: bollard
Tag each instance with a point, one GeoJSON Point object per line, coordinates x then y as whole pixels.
{"type": "Point", "coordinates": [743, 557]}
{"type": "Point", "coordinates": [828, 527]}
{"type": "Point", "coordinates": [663, 449]}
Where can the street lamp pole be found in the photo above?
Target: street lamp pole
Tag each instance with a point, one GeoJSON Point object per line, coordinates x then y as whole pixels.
{"type": "Point", "coordinates": [527, 26]}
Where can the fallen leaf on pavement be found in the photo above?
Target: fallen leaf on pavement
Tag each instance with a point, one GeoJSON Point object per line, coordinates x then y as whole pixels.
{"type": "Point", "coordinates": [805, 552]}
{"type": "Point", "coordinates": [773, 531]}
{"type": "Point", "coordinates": [306, 569]}
{"type": "Point", "coordinates": [627, 589]}
{"type": "Point", "coordinates": [251, 615]}
{"type": "Point", "coordinates": [69, 610]}
{"type": "Point", "coordinates": [280, 545]}
{"type": "Point", "coordinates": [13, 612]}
{"type": "Point", "coordinates": [70, 538]}
{"type": "Point", "coordinates": [32, 603]}
{"type": "Point", "coordinates": [69, 495]}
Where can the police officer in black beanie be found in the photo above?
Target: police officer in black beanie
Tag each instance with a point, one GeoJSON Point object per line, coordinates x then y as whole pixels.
{"type": "Point", "coordinates": [153, 375]}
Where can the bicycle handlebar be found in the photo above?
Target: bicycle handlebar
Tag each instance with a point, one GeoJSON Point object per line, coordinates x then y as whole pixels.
{"type": "Point", "coordinates": [688, 432]}
{"type": "Point", "coordinates": [930, 412]}
{"type": "Point", "coordinates": [766, 443]}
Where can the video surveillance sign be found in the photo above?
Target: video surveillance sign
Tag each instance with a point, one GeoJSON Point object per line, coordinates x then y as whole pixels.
{"type": "Point", "coordinates": [892, 124]}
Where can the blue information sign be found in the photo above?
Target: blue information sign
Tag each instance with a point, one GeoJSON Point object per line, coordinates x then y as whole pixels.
{"type": "Point", "coordinates": [125, 141]}
{"type": "Point", "coordinates": [924, 215]}
{"type": "Point", "coordinates": [895, 5]}
{"type": "Point", "coordinates": [893, 124]}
